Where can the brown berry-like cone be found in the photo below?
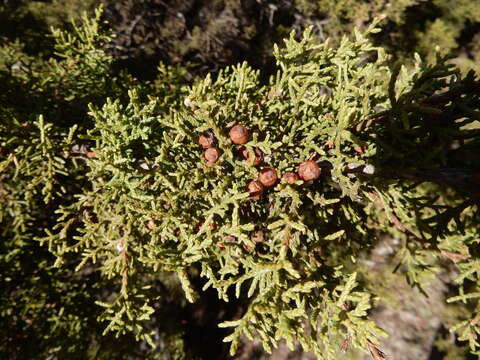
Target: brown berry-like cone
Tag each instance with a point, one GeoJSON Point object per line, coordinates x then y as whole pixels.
{"type": "Point", "coordinates": [246, 155]}
{"type": "Point", "coordinates": [268, 176]}
{"type": "Point", "coordinates": [255, 189]}
{"type": "Point", "coordinates": [239, 134]}
{"type": "Point", "coordinates": [290, 178]}
{"type": "Point", "coordinates": [211, 155]}
{"type": "Point", "coordinates": [309, 170]}
{"type": "Point", "coordinates": [206, 140]}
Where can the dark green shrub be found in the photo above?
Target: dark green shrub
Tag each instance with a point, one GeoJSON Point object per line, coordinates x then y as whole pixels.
{"type": "Point", "coordinates": [107, 173]}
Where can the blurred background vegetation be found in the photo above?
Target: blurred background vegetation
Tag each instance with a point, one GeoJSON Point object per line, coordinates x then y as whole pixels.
{"type": "Point", "coordinates": [205, 36]}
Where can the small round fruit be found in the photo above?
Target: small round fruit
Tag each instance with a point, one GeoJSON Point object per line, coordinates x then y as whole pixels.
{"type": "Point", "coordinates": [309, 170]}
{"type": "Point", "coordinates": [211, 155]}
{"type": "Point", "coordinates": [206, 140]}
{"type": "Point", "coordinates": [290, 178]}
{"type": "Point", "coordinates": [255, 189]}
{"type": "Point", "coordinates": [239, 134]}
{"type": "Point", "coordinates": [268, 176]}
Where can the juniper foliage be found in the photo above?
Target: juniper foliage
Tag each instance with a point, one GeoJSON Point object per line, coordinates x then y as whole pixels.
{"type": "Point", "coordinates": [411, 26]}
{"type": "Point", "coordinates": [48, 312]}
{"type": "Point", "coordinates": [134, 199]}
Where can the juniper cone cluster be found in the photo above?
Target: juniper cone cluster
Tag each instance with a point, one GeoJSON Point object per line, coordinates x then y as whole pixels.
{"type": "Point", "coordinates": [123, 202]}
{"type": "Point", "coordinates": [239, 134]}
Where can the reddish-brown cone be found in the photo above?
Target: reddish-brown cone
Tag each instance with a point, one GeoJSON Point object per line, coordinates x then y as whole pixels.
{"type": "Point", "coordinates": [211, 155]}
{"type": "Point", "coordinates": [239, 134]}
{"type": "Point", "coordinates": [268, 176]}
{"type": "Point", "coordinates": [255, 189]}
{"type": "Point", "coordinates": [309, 170]}
{"type": "Point", "coordinates": [290, 178]}
{"type": "Point", "coordinates": [206, 140]}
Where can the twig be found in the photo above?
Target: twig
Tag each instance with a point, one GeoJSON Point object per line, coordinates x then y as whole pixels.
{"type": "Point", "coordinates": [375, 351]}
